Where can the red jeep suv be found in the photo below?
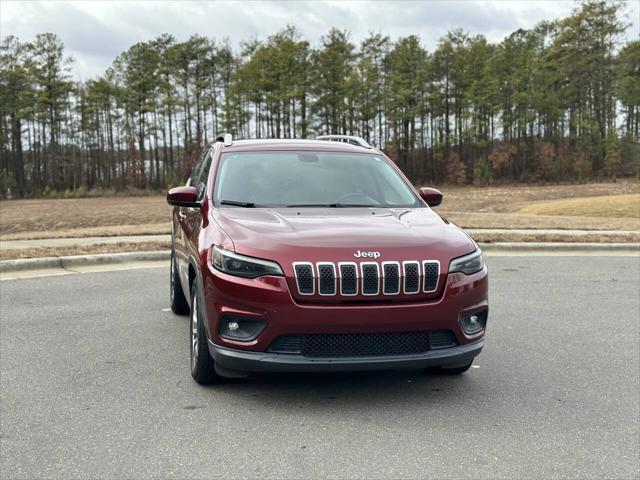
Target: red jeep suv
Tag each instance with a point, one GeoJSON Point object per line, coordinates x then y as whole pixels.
{"type": "Point", "coordinates": [319, 255]}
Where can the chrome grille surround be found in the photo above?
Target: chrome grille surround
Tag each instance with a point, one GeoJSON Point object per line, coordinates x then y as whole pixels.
{"type": "Point", "coordinates": [349, 278]}
{"type": "Point", "coordinates": [301, 272]}
{"type": "Point", "coordinates": [369, 278]}
{"type": "Point", "coordinates": [411, 274]}
{"type": "Point", "coordinates": [327, 282]}
{"type": "Point", "coordinates": [430, 275]}
{"type": "Point", "coordinates": [388, 279]}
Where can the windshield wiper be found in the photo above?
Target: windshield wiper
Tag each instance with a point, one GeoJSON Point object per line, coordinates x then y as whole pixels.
{"type": "Point", "coordinates": [343, 205]}
{"type": "Point", "coordinates": [239, 204]}
{"type": "Point", "coordinates": [303, 205]}
{"type": "Point", "coordinates": [329, 205]}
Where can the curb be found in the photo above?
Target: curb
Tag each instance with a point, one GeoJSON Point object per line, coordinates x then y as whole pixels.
{"type": "Point", "coordinates": [160, 255]}
{"type": "Point", "coordinates": [561, 246]}
{"type": "Point", "coordinates": [80, 260]}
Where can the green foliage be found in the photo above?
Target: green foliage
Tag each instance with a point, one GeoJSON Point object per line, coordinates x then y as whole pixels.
{"type": "Point", "coordinates": [7, 183]}
{"type": "Point", "coordinates": [482, 173]}
{"type": "Point", "coordinates": [630, 155]}
{"type": "Point", "coordinates": [628, 87]}
{"type": "Point", "coordinates": [333, 65]}
{"type": "Point", "coordinates": [49, 192]}
{"type": "Point", "coordinates": [612, 159]}
{"type": "Point", "coordinates": [174, 179]}
{"type": "Point", "coordinates": [544, 104]}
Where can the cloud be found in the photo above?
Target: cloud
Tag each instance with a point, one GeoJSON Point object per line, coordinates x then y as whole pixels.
{"type": "Point", "coordinates": [96, 32]}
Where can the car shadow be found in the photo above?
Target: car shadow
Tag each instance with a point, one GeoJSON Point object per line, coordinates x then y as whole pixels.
{"type": "Point", "coordinates": [354, 390]}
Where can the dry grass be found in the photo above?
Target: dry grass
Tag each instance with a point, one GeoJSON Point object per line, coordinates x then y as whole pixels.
{"type": "Point", "coordinates": [515, 220]}
{"type": "Point", "coordinates": [472, 207]}
{"type": "Point", "coordinates": [83, 215]}
{"type": "Point", "coordinates": [507, 207]}
{"type": "Point", "coordinates": [14, 254]}
{"type": "Point", "coordinates": [511, 199]}
{"type": "Point", "coordinates": [617, 206]}
{"type": "Point", "coordinates": [545, 237]}
{"type": "Point", "coordinates": [107, 231]}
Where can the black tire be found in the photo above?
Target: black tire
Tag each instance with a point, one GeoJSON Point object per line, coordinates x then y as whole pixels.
{"type": "Point", "coordinates": [202, 367]}
{"type": "Point", "coordinates": [451, 370]}
{"type": "Point", "coordinates": [179, 303]}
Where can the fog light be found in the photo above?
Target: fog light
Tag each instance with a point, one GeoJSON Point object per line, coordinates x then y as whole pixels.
{"type": "Point", "coordinates": [473, 323]}
{"type": "Point", "coordinates": [243, 329]}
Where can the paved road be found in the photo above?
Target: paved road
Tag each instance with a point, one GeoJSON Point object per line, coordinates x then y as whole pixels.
{"type": "Point", "coordinates": [95, 383]}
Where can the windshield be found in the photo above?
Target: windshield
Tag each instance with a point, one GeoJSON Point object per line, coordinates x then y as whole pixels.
{"type": "Point", "coordinates": [308, 179]}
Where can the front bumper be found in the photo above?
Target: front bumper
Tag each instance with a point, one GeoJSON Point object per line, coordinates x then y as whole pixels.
{"type": "Point", "coordinates": [269, 299]}
{"type": "Point", "coordinates": [232, 361]}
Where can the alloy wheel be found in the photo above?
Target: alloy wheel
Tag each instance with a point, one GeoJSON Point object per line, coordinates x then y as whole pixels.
{"type": "Point", "coordinates": [172, 281]}
{"type": "Point", "coordinates": [194, 332]}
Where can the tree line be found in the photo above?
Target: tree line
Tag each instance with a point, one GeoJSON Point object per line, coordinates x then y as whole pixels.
{"type": "Point", "coordinates": [558, 102]}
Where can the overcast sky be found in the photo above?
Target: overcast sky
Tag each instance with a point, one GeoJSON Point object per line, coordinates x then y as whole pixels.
{"type": "Point", "coordinates": [95, 32]}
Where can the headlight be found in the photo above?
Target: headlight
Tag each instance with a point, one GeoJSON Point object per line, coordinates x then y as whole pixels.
{"type": "Point", "coordinates": [468, 264]}
{"type": "Point", "coordinates": [241, 266]}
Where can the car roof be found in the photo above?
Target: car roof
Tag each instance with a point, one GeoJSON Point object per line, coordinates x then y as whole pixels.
{"type": "Point", "coordinates": [295, 144]}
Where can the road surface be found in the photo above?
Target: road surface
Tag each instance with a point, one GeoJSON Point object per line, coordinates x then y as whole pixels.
{"type": "Point", "coordinates": [95, 383]}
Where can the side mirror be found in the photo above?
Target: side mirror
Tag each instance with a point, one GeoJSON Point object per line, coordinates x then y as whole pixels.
{"type": "Point", "coordinates": [432, 196]}
{"type": "Point", "coordinates": [183, 197]}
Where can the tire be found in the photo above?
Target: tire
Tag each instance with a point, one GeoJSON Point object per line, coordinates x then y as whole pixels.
{"type": "Point", "coordinates": [179, 303]}
{"type": "Point", "coordinates": [202, 367]}
{"type": "Point", "coordinates": [450, 370]}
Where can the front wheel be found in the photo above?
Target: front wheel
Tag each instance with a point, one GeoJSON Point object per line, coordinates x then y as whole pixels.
{"type": "Point", "coordinates": [202, 367]}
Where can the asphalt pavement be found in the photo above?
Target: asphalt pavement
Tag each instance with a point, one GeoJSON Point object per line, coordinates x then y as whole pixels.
{"type": "Point", "coordinates": [95, 383]}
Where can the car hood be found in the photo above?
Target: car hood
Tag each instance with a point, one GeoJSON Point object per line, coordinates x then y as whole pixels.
{"type": "Point", "coordinates": [335, 234]}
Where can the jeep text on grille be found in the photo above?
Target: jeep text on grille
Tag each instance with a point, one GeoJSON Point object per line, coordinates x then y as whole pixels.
{"type": "Point", "coordinates": [360, 254]}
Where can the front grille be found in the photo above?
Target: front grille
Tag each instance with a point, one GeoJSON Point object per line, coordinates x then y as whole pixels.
{"type": "Point", "coordinates": [367, 278]}
{"type": "Point", "coordinates": [327, 279]}
{"type": "Point", "coordinates": [431, 273]}
{"type": "Point", "coordinates": [331, 345]}
{"type": "Point", "coordinates": [391, 274]}
{"type": "Point", "coordinates": [411, 277]}
{"type": "Point", "coordinates": [370, 279]}
{"type": "Point", "coordinates": [304, 278]}
{"type": "Point", "coordinates": [348, 279]}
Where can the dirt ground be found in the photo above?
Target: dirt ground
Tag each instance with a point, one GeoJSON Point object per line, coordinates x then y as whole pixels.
{"type": "Point", "coordinates": [595, 206]}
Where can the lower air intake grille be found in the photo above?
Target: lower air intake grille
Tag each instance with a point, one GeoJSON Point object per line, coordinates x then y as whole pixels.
{"type": "Point", "coordinates": [442, 339]}
{"type": "Point", "coordinates": [363, 344]}
{"type": "Point", "coordinates": [287, 344]}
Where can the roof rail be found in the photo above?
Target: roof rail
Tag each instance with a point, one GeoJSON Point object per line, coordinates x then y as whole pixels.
{"type": "Point", "coordinates": [225, 138]}
{"type": "Point", "coordinates": [353, 140]}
